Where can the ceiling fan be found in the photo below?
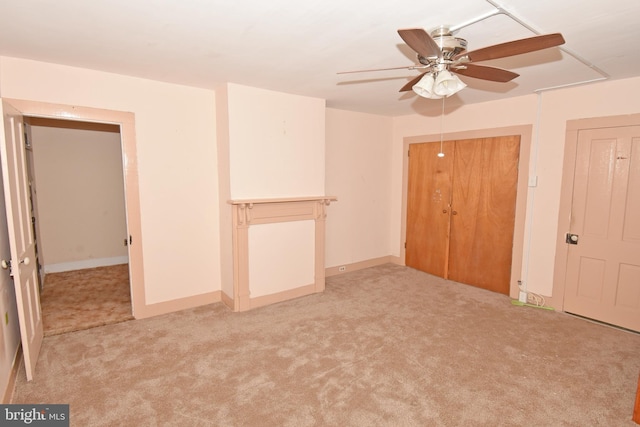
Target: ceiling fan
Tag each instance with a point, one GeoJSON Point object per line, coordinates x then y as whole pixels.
{"type": "Point", "coordinates": [441, 53]}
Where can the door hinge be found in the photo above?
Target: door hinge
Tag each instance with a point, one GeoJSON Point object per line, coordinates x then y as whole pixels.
{"type": "Point", "coordinates": [129, 242]}
{"type": "Point", "coordinates": [405, 245]}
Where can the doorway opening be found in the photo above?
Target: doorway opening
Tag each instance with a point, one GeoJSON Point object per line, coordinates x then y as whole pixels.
{"type": "Point", "coordinates": [77, 191]}
{"type": "Point", "coordinates": [19, 215]}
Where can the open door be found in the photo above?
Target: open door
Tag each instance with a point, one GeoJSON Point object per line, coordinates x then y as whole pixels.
{"type": "Point", "coordinates": [23, 263]}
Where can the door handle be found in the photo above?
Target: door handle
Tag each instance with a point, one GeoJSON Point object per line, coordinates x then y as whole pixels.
{"type": "Point", "coordinates": [572, 239]}
{"type": "Point", "coordinates": [454, 212]}
{"type": "Point", "coordinates": [7, 264]}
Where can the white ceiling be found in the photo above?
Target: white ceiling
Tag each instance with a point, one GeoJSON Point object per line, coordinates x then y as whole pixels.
{"type": "Point", "coordinates": [298, 46]}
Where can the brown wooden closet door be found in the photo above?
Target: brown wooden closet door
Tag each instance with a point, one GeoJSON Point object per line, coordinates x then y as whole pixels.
{"type": "Point", "coordinates": [485, 176]}
{"type": "Point", "coordinates": [428, 198]}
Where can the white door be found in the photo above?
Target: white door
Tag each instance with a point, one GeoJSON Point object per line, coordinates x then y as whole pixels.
{"type": "Point", "coordinates": [21, 237]}
{"type": "Point", "coordinates": [603, 266]}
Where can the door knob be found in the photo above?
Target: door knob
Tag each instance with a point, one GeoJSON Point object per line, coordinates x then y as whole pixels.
{"type": "Point", "coordinates": [454, 212]}
{"type": "Point", "coordinates": [444, 211]}
{"type": "Point", "coordinates": [572, 239]}
{"type": "Point", "coordinates": [25, 261]}
{"type": "Point", "coordinates": [5, 264]}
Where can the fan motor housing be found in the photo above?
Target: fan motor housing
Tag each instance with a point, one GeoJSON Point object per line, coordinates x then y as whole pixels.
{"type": "Point", "coordinates": [450, 46]}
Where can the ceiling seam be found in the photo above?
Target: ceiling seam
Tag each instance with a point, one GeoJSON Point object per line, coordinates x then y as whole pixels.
{"type": "Point", "coordinates": [501, 10]}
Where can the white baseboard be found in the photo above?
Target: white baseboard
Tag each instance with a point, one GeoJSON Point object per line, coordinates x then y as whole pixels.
{"type": "Point", "coordinates": [87, 263]}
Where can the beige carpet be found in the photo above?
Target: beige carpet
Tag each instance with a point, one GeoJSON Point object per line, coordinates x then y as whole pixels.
{"type": "Point", "coordinates": [385, 346]}
{"type": "Point", "coordinates": [83, 299]}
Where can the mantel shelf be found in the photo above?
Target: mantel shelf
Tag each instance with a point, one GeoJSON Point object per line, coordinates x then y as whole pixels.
{"type": "Point", "coordinates": [326, 199]}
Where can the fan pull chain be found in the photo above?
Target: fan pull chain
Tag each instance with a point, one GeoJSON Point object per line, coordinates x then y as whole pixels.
{"type": "Point", "coordinates": [441, 153]}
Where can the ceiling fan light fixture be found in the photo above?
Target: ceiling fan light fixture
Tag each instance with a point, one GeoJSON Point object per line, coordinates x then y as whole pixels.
{"type": "Point", "coordinates": [425, 87]}
{"type": "Point", "coordinates": [440, 52]}
{"type": "Point", "coordinates": [447, 84]}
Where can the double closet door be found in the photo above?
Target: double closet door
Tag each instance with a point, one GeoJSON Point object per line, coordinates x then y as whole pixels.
{"type": "Point", "coordinates": [461, 210]}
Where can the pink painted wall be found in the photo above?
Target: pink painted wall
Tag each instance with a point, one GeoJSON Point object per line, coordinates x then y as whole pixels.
{"type": "Point", "coordinates": [276, 144]}
{"type": "Point", "coordinates": [177, 159]}
{"type": "Point", "coordinates": [9, 328]}
{"type": "Point", "coordinates": [358, 172]}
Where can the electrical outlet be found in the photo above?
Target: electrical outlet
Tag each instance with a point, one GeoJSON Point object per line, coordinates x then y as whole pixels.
{"type": "Point", "coordinates": [342, 268]}
{"type": "Point", "coordinates": [522, 297]}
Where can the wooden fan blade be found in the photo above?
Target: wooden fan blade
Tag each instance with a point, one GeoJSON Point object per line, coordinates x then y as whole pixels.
{"type": "Point", "coordinates": [412, 82]}
{"type": "Point", "coordinates": [420, 41]}
{"type": "Point", "coordinates": [410, 67]}
{"type": "Point", "coordinates": [486, 73]}
{"type": "Point", "coordinates": [515, 47]}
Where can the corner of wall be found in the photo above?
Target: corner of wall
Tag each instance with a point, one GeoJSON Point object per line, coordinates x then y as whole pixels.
{"type": "Point", "coordinates": [224, 190]}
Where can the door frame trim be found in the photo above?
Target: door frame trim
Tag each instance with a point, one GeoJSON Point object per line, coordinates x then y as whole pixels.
{"type": "Point", "coordinates": [126, 121]}
{"type": "Point", "coordinates": [566, 192]}
{"type": "Point", "coordinates": [525, 133]}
